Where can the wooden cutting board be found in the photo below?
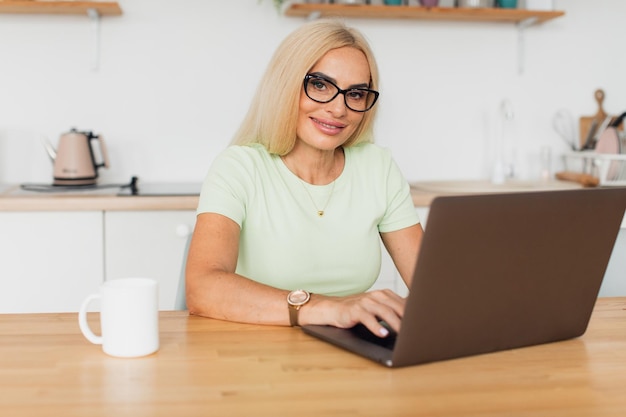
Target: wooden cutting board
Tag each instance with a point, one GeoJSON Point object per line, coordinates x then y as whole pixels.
{"type": "Point", "coordinates": [592, 122]}
{"type": "Point", "coordinates": [595, 121]}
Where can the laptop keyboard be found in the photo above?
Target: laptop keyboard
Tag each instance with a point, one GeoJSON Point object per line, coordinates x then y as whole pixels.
{"type": "Point", "coordinates": [364, 333]}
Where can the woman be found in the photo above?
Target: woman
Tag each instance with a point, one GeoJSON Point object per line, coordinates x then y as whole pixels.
{"type": "Point", "coordinates": [290, 218]}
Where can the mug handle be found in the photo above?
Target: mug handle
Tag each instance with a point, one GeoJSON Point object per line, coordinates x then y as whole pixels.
{"type": "Point", "coordinates": [82, 321]}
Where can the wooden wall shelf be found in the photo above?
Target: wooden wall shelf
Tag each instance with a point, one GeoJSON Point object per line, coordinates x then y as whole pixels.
{"type": "Point", "coordinates": [104, 8]}
{"type": "Point", "coordinates": [420, 13]}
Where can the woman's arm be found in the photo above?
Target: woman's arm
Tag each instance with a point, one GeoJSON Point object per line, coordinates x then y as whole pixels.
{"type": "Point", "coordinates": [214, 290]}
{"type": "Point", "coordinates": [403, 245]}
{"type": "Point", "coordinates": [212, 287]}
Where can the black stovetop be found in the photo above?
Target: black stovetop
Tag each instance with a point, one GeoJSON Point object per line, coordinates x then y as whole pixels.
{"type": "Point", "coordinates": [162, 189]}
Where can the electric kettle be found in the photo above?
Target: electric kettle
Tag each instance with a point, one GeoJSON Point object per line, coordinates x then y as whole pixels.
{"type": "Point", "coordinates": [75, 158]}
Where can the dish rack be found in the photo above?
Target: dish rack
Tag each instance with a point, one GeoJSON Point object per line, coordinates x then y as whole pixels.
{"type": "Point", "coordinates": [610, 169]}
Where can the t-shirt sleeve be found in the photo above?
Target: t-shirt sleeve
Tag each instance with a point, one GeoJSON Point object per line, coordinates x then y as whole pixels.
{"type": "Point", "coordinates": [227, 186]}
{"type": "Point", "coordinates": [400, 212]}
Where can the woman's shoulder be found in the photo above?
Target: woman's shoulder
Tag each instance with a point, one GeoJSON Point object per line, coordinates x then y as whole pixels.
{"type": "Point", "coordinates": [244, 155]}
{"type": "Point", "coordinates": [369, 153]}
{"type": "Point", "coordinates": [243, 152]}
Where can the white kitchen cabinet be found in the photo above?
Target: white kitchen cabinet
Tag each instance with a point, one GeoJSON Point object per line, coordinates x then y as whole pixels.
{"type": "Point", "coordinates": [614, 283]}
{"type": "Point", "coordinates": [148, 244]}
{"type": "Point", "coordinates": [422, 212]}
{"type": "Point", "coordinates": [49, 261]}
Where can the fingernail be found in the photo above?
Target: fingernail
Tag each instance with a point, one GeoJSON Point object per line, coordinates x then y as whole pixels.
{"type": "Point", "coordinates": [383, 332]}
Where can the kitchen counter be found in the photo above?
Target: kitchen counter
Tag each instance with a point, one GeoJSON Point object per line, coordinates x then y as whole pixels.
{"type": "Point", "coordinates": [12, 198]}
{"type": "Point", "coordinates": [423, 192]}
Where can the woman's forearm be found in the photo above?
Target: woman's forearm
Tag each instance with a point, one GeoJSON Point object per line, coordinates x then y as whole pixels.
{"type": "Point", "coordinates": [228, 296]}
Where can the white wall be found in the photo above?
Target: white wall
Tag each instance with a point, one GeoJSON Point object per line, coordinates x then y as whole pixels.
{"type": "Point", "coordinates": [176, 77]}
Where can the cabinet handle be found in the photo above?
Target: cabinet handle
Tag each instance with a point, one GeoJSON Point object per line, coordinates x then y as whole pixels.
{"type": "Point", "coordinates": [183, 230]}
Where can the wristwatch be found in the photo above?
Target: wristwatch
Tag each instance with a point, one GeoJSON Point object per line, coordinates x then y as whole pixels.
{"type": "Point", "coordinates": [295, 300]}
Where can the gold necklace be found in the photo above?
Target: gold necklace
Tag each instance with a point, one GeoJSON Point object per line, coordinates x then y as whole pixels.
{"type": "Point", "coordinates": [320, 213]}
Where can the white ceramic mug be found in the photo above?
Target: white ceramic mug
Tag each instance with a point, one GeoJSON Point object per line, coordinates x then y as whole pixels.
{"type": "Point", "coordinates": [129, 317]}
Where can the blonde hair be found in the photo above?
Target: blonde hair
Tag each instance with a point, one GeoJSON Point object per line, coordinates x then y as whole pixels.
{"type": "Point", "coordinates": [272, 117]}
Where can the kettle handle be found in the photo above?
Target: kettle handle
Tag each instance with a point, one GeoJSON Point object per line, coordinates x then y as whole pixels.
{"type": "Point", "coordinates": [103, 151]}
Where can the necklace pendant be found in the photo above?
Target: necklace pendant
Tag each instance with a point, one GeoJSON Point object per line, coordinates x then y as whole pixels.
{"type": "Point", "coordinates": [320, 213]}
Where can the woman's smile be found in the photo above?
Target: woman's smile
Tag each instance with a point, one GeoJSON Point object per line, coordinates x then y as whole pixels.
{"type": "Point", "coordinates": [328, 127]}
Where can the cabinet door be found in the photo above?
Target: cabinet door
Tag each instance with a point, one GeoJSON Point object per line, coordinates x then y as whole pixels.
{"type": "Point", "coordinates": [148, 244]}
{"type": "Point", "coordinates": [49, 261]}
{"type": "Point", "coordinates": [614, 283]}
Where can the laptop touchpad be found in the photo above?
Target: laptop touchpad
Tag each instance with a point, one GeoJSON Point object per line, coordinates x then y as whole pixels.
{"type": "Point", "coordinates": [364, 333]}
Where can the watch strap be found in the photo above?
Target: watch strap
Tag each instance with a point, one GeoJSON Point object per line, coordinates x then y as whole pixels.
{"type": "Point", "coordinates": [293, 315]}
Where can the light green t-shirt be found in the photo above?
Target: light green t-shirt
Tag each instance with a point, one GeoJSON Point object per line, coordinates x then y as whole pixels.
{"type": "Point", "coordinates": [283, 241]}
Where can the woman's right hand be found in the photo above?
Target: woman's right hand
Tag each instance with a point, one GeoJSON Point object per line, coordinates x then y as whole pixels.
{"type": "Point", "coordinates": [367, 308]}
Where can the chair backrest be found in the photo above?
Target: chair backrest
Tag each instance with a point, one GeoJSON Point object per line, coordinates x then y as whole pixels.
{"type": "Point", "coordinates": [181, 301]}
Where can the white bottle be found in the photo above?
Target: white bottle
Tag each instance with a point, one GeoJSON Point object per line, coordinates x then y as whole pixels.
{"type": "Point", "coordinates": [538, 4]}
{"type": "Point", "coordinates": [504, 149]}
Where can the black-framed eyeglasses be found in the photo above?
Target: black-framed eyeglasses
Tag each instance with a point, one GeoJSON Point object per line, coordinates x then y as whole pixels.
{"type": "Point", "coordinates": [322, 90]}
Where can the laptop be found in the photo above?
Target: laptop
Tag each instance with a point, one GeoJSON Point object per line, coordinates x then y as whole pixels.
{"type": "Point", "coordinates": [496, 272]}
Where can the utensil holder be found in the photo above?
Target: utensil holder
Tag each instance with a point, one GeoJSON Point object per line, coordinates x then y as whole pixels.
{"type": "Point", "coordinates": [610, 169]}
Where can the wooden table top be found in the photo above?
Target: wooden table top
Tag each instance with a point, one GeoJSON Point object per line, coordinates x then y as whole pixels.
{"type": "Point", "coordinates": [209, 367]}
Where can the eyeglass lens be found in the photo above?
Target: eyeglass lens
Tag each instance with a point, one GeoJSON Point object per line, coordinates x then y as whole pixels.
{"type": "Point", "coordinates": [323, 91]}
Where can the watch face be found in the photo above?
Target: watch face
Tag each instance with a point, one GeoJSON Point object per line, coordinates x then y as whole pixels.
{"type": "Point", "coordinates": [298, 297]}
